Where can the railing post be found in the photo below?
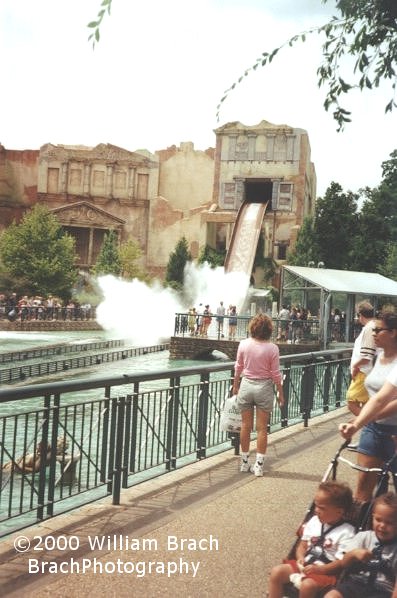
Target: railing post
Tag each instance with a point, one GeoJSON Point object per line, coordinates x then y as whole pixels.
{"type": "Point", "coordinates": [172, 428]}
{"type": "Point", "coordinates": [53, 461]}
{"type": "Point", "coordinates": [127, 439]}
{"type": "Point", "coordinates": [118, 457]}
{"type": "Point", "coordinates": [134, 427]}
{"type": "Point", "coordinates": [326, 386]}
{"type": "Point", "coordinates": [286, 386]}
{"type": "Point", "coordinates": [307, 388]}
{"type": "Point", "coordinates": [43, 464]}
{"type": "Point", "coordinates": [105, 436]}
{"type": "Point", "coordinates": [338, 385]}
{"type": "Point", "coordinates": [174, 443]}
{"type": "Point", "coordinates": [176, 324]}
{"type": "Point", "coordinates": [202, 416]}
{"type": "Point", "coordinates": [112, 443]}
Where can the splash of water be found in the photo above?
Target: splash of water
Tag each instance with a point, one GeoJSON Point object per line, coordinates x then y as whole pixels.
{"type": "Point", "coordinates": [211, 285]}
{"type": "Point", "coordinates": [144, 314]}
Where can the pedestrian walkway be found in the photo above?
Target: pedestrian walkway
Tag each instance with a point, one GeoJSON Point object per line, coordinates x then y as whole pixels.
{"type": "Point", "coordinates": [203, 531]}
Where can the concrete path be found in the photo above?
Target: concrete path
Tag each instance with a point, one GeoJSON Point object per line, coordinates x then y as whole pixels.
{"type": "Point", "coordinates": [206, 530]}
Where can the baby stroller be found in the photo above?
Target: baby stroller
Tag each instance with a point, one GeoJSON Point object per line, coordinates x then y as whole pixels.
{"type": "Point", "coordinates": [360, 517]}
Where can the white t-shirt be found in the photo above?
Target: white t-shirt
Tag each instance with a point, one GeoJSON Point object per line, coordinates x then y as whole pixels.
{"type": "Point", "coordinates": [334, 543]}
{"type": "Point", "coordinates": [392, 377]}
{"type": "Point", "coordinates": [376, 379]}
{"type": "Point", "coordinates": [364, 347]}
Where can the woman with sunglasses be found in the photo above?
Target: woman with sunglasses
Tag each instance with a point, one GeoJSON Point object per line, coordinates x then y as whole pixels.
{"type": "Point", "coordinates": [376, 445]}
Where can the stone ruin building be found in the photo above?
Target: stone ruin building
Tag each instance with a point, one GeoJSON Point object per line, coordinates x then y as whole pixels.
{"type": "Point", "coordinates": [158, 198]}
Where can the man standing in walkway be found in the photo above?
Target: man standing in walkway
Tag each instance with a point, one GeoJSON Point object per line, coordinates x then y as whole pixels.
{"type": "Point", "coordinates": [362, 358]}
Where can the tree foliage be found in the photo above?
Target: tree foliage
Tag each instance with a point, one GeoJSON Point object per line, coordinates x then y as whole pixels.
{"type": "Point", "coordinates": [336, 226]}
{"type": "Point", "coordinates": [96, 25]}
{"type": "Point", "coordinates": [176, 264]}
{"type": "Point", "coordinates": [329, 236]}
{"type": "Point", "coordinates": [377, 228]}
{"type": "Point", "coordinates": [211, 256]}
{"type": "Point", "coordinates": [38, 255]}
{"type": "Point", "coordinates": [130, 255]}
{"type": "Point", "coordinates": [365, 30]}
{"type": "Point", "coordinates": [389, 267]}
{"type": "Point", "coordinates": [306, 250]}
{"type": "Point", "coordinates": [347, 239]}
{"type": "Point", "coordinates": [108, 261]}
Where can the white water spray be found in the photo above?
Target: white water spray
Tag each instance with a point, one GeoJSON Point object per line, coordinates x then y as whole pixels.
{"type": "Point", "coordinates": [145, 314]}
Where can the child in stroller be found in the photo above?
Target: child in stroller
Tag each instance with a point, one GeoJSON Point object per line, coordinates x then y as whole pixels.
{"type": "Point", "coordinates": [383, 510]}
{"type": "Point", "coordinates": [370, 563]}
{"type": "Point", "coordinates": [323, 542]}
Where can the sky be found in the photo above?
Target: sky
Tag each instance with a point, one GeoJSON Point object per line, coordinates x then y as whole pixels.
{"type": "Point", "coordinates": [157, 75]}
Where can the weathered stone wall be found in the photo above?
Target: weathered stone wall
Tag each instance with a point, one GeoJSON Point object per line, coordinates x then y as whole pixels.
{"type": "Point", "coordinates": [47, 325]}
{"type": "Point", "coordinates": [186, 347]}
{"type": "Point", "coordinates": [156, 199]}
{"type": "Point", "coordinates": [18, 183]}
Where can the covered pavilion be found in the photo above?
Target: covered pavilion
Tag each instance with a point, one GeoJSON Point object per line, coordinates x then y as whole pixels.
{"type": "Point", "coordinates": [321, 289]}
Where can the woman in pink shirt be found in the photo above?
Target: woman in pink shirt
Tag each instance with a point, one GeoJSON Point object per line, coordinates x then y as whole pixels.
{"type": "Point", "coordinates": [256, 370]}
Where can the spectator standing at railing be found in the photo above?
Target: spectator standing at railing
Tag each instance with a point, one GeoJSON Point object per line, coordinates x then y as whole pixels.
{"type": "Point", "coordinates": [3, 304]}
{"type": "Point", "coordinates": [199, 319]}
{"type": "Point", "coordinates": [49, 308]}
{"type": "Point", "coordinates": [283, 325]}
{"type": "Point", "coordinates": [206, 321]}
{"type": "Point", "coordinates": [12, 307]}
{"type": "Point", "coordinates": [232, 322]}
{"type": "Point", "coordinates": [256, 370]}
{"type": "Point", "coordinates": [24, 308]}
{"type": "Point", "coordinates": [293, 317]}
{"type": "Point", "coordinates": [85, 311]}
{"type": "Point", "coordinates": [220, 316]}
{"type": "Point", "coordinates": [191, 321]}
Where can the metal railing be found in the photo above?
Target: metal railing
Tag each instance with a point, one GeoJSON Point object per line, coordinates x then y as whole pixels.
{"type": "Point", "coordinates": [68, 443]}
{"type": "Point", "coordinates": [29, 313]}
{"type": "Point", "coordinates": [291, 331]}
{"type": "Point", "coordinates": [58, 349]}
{"type": "Point", "coordinates": [47, 368]}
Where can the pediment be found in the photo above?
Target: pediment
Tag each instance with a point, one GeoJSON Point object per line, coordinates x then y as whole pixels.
{"type": "Point", "coordinates": [82, 213]}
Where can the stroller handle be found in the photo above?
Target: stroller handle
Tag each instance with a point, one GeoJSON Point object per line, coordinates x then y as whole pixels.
{"type": "Point", "coordinates": [367, 469]}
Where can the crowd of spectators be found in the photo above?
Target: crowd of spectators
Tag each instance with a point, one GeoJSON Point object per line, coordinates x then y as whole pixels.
{"type": "Point", "coordinates": [24, 308]}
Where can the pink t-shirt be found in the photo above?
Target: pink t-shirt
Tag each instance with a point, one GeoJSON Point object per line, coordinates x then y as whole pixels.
{"type": "Point", "coordinates": [258, 360]}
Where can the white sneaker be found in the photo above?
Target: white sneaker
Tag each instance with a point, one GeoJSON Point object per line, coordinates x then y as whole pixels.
{"type": "Point", "coordinates": [245, 467]}
{"type": "Point", "coordinates": [257, 469]}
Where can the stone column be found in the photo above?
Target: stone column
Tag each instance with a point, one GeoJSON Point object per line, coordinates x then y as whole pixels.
{"type": "Point", "coordinates": [290, 146]}
{"type": "Point", "coordinates": [86, 181]}
{"type": "Point", "coordinates": [270, 139]}
{"type": "Point", "coordinates": [232, 147]}
{"type": "Point", "coordinates": [131, 182]}
{"type": "Point", "coordinates": [109, 180]}
{"type": "Point", "coordinates": [251, 146]}
{"type": "Point", "coordinates": [64, 177]}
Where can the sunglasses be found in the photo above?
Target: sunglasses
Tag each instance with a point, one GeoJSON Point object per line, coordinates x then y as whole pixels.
{"type": "Point", "coordinates": [377, 330]}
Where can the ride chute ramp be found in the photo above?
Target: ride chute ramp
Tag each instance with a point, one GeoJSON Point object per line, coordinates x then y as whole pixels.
{"type": "Point", "coordinates": [241, 253]}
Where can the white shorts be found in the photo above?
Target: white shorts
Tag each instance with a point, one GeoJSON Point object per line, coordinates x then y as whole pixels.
{"type": "Point", "coordinates": [255, 392]}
